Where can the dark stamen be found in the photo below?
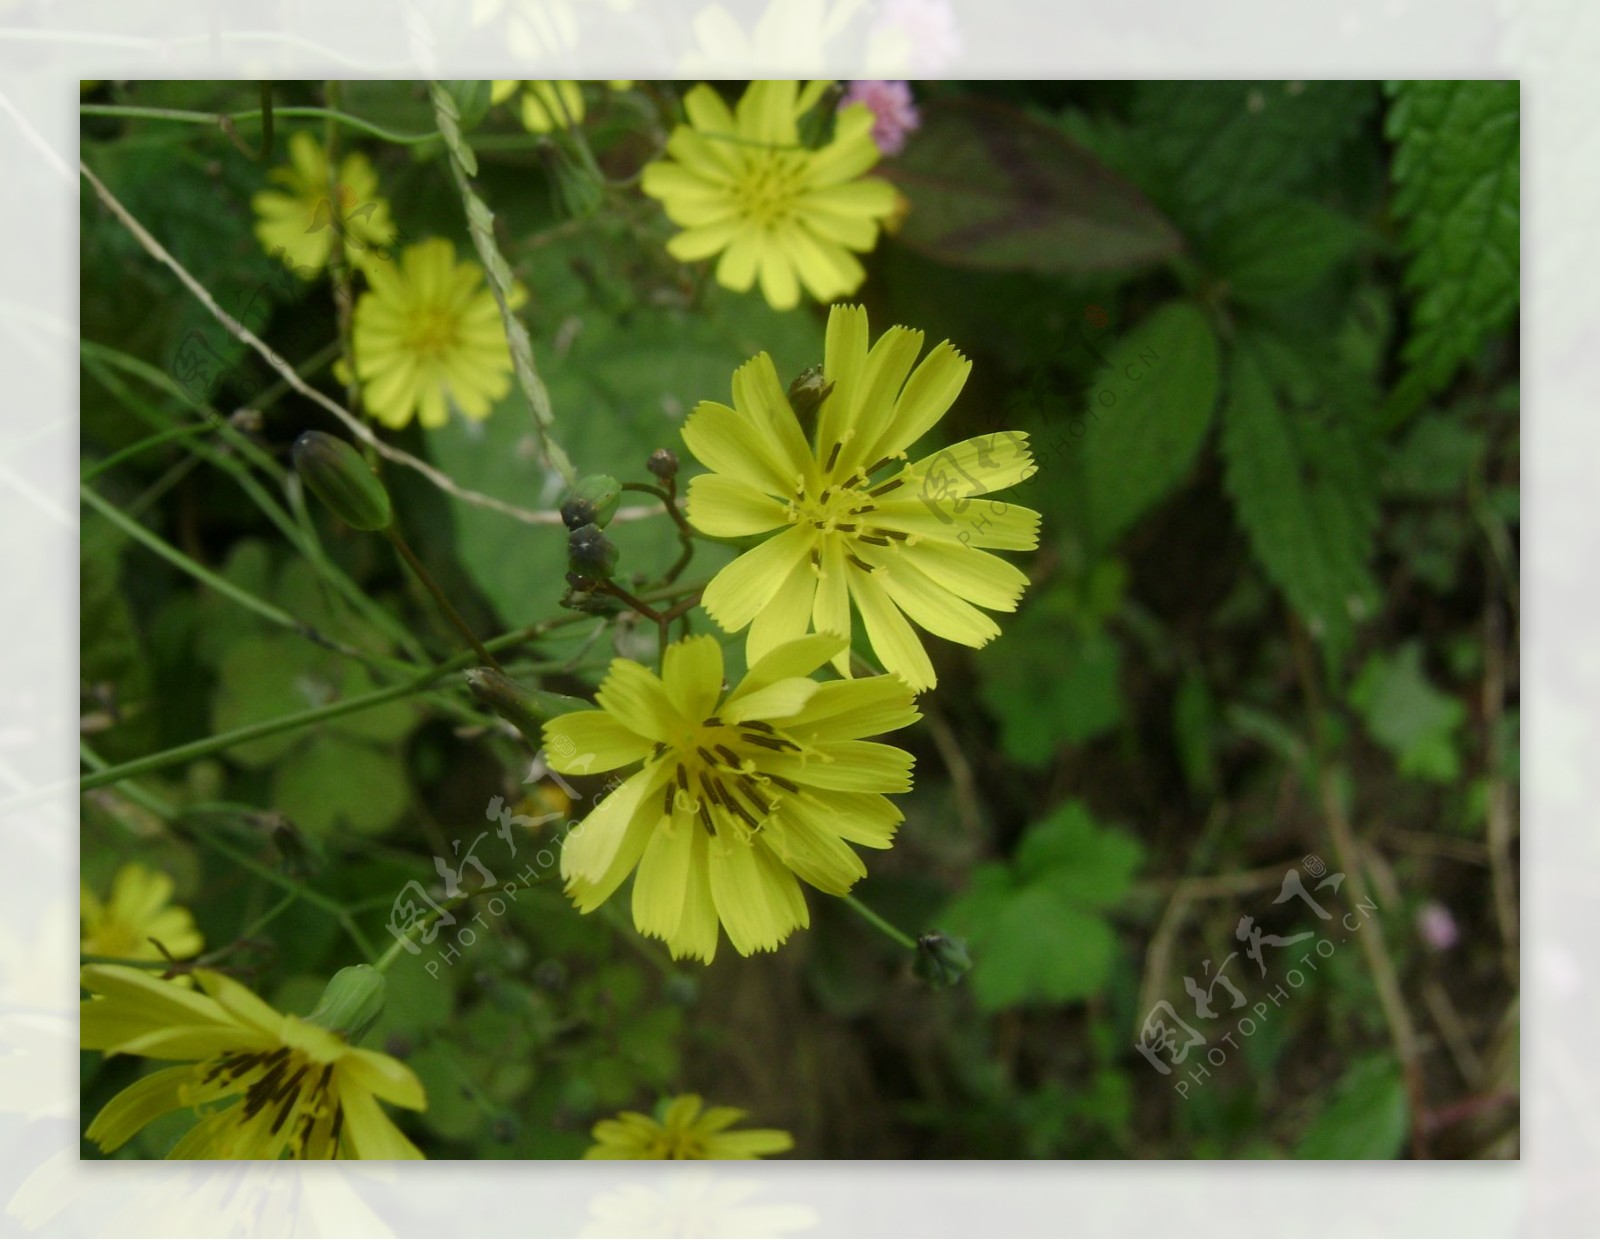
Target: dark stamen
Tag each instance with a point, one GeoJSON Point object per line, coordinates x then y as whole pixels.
{"type": "Point", "coordinates": [771, 742]}
{"type": "Point", "coordinates": [832, 456]}
{"type": "Point", "coordinates": [886, 487]}
{"type": "Point", "coordinates": [874, 540]}
{"type": "Point", "coordinates": [859, 562]}
{"type": "Point", "coordinates": [733, 758]}
{"type": "Point", "coordinates": [743, 813]}
{"type": "Point", "coordinates": [705, 818]}
{"type": "Point", "coordinates": [845, 529]}
{"type": "Point", "coordinates": [759, 725]}
{"type": "Point", "coordinates": [712, 722]}
{"type": "Point", "coordinates": [706, 754]}
{"type": "Point", "coordinates": [783, 783]}
{"type": "Point", "coordinates": [683, 777]}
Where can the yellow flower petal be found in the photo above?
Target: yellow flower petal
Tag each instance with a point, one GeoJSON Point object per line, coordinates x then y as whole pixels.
{"type": "Point", "coordinates": [631, 692]}
{"type": "Point", "coordinates": [591, 850]}
{"type": "Point", "coordinates": [691, 673]}
{"type": "Point", "coordinates": [727, 507]}
{"type": "Point", "coordinates": [892, 638]}
{"type": "Point", "coordinates": [749, 583]}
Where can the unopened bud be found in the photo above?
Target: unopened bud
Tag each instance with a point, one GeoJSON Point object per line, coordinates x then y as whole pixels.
{"type": "Point", "coordinates": [343, 481]}
{"type": "Point", "coordinates": [590, 553]}
{"type": "Point", "coordinates": [810, 388]}
{"type": "Point", "coordinates": [663, 463]}
{"type": "Point", "coordinates": [527, 710]}
{"type": "Point", "coordinates": [351, 1002]}
{"type": "Point", "coordinates": [593, 501]}
{"type": "Point", "coordinates": [942, 959]}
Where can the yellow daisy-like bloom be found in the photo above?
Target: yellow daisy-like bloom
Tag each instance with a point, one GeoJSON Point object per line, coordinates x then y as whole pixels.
{"type": "Point", "coordinates": [687, 1129]}
{"type": "Point", "coordinates": [138, 915]}
{"type": "Point", "coordinates": [739, 796]}
{"type": "Point", "coordinates": [427, 336]}
{"type": "Point", "coordinates": [903, 542]}
{"type": "Point", "coordinates": [741, 185]}
{"type": "Point", "coordinates": [262, 1083]}
{"type": "Point", "coordinates": [300, 219]}
{"type": "Point", "coordinates": [545, 106]}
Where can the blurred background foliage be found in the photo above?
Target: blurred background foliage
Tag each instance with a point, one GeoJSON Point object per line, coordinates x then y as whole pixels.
{"type": "Point", "coordinates": [1263, 336]}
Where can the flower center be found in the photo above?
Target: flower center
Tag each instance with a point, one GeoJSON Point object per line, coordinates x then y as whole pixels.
{"type": "Point", "coordinates": [679, 1143]}
{"type": "Point", "coordinates": [284, 1089]}
{"type": "Point", "coordinates": [717, 776]}
{"type": "Point", "coordinates": [431, 332]}
{"type": "Point", "coordinates": [843, 510]}
{"type": "Point", "coordinates": [772, 182]}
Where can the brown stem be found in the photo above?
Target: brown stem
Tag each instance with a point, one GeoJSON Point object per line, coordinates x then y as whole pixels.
{"type": "Point", "coordinates": [424, 576]}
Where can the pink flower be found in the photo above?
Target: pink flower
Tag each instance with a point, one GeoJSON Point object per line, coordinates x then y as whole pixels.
{"type": "Point", "coordinates": [1437, 927]}
{"type": "Point", "coordinates": [891, 104]}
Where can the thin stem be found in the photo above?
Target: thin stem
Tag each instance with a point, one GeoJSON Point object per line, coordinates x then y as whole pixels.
{"type": "Point", "coordinates": [686, 532]}
{"type": "Point", "coordinates": [354, 424]}
{"type": "Point", "coordinates": [259, 115]}
{"type": "Point", "coordinates": [439, 597]}
{"type": "Point", "coordinates": [480, 225]}
{"type": "Point", "coordinates": [1385, 979]}
{"type": "Point", "coordinates": [144, 445]}
{"type": "Point", "coordinates": [899, 936]}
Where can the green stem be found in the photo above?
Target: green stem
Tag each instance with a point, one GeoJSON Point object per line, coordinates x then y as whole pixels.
{"type": "Point", "coordinates": [144, 445]}
{"type": "Point", "coordinates": [439, 597]}
{"type": "Point", "coordinates": [899, 936]}
{"type": "Point", "coordinates": [217, 119]}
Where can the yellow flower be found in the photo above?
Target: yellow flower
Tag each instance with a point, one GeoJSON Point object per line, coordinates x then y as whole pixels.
{"type": "Point", "coordinates": [302, 217]}
{"type": "Point", "coordinates": [427, 336]}
{"type": "Point", "coordinates": [138, 915]}
{"type": "Point", "coordinates": [741, 185]}
{"type": "Point", "coordinates": [261, 1082]}
{"type": "Point", "coordinates": [685, 1131]}
{"type": "Point", "coordinates": [739, 795]}
{"type": "Point", "coordinates": [545, 106]}
{"type": "Point", "coordinates": [904, 546]}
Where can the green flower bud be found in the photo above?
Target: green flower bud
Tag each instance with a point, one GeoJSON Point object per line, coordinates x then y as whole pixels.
{"type": "Point", "coordinates": [575, 188]}
{"type": "Point", "coordinates": [343, 481]}
{"type": "Point", "coordinates": [351, 1002]}
{"type": "Point", "coordinates": [663, 463]}
{"type": "Point", "coordinates": [942, 959]}
{"type": "Point", "coordinates": [806, 394]}
{"type": "Point", "coordinates": [527, 710]}
{"type": "Point", "coordinates": [593, 501]}
{"type": "Point", "coordinates": [590, 553]}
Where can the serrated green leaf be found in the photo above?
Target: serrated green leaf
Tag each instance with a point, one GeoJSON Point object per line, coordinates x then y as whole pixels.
{"type": "Point", "coordinates": [1302, 488]}
{"type": "Point", "coordinates": [1408, 716]}
{"type": "Point", "coordinates": [1149, 410]}
{"type": "Point", "coordinates": [1368, 1116]}
{"type": "Point", "coordinates": [1213, 149]}
{"type": "Point", "coordinates": [1035, 924]}
{"type": "Point", "coordinates": [992, 188]}
{"type": "Point", "coordinates": [1282, 248]}
{"type": "Point", "coordinates": [1456, 171]}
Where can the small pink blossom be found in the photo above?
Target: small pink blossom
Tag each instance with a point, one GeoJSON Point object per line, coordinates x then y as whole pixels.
{"type": "Point", "coordinates": [1437, 927]}
{"type": "Point", "coordinates": [896, 116]}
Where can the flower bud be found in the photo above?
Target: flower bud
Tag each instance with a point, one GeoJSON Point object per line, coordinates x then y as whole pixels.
{"type": "Point", "coordinates": [663, 463]}
{"type": "Point", "coordinates": [527, 710]}
{"type": "Point", "coordinates": [942, 959]}
{"type": "Point", "coordinates": [593, 501]}
{"type": "Point", "coordinates": [351, 1002]}
{"type": "Point", "coordinates": [590, 553]}
{"type": "Point", "coordinates": [810, 388]}
{"type": "Point", "coordinates": [343, 481]}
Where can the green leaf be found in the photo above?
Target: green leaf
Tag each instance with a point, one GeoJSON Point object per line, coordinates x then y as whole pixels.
{"type": "Point", "coordinates": [1368, 1116]}
{"type": "Point", "coordinates": [1213, 149]}
{"type": "Point", "coordinates": [1458, 149]}
{"type": "Point", "coordinates": [991, 188]}
{"type": "Point", "coordinates": [1036, 924]}
{"type": "Point", "coordinates": [1303, 489]}
{"type": "Point", "coordinates": [339, 784]}
{"type": "Point", "coordinates": [1149, 410]}
{"type": "Point", "coordinates": [1408, 716]}
{"type": "Point", "coordinates": [621, 378]}
{"type": "Point", "coordinates": [1050, 683]}
{"type": "Point", "coordinates": [1282, 248]}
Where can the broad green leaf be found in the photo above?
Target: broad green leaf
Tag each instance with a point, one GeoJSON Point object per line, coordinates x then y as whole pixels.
{"type": "Point", "coordinates": [1214, 149]}
{"type": "Point", "coordinates": [1367, 1117]}
{"type": "Point", "coordinates": [1148, 412]}
{"type": "Point", "coordinates": [1049, 683]}
{"type": "Point", "coordinates": [339, 784]}
{"type": "Point", "coordinates": [1282, 248]}
{"type": "Point", "coordinates": [1035, 924]}
{"type": "Point", "coordinates": [1302, 488]}
{"type": "Point", "coordinates": [1456, 172]}
{"type": "Point", "coordinates": [991, 188]}
{"type": "Point", "coordinates": [1408, 716]}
